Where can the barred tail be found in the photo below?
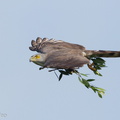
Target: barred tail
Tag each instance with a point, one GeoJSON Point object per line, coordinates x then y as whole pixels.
{"type": "Point", "coordinates": [102, 53]}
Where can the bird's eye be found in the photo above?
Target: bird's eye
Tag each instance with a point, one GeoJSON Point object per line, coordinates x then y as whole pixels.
{"type": "Point", "coordinates": [37, 56]}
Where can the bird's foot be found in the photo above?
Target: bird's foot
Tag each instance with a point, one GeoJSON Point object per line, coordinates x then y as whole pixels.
{"type": "Point", "coordinates": [91, 66]}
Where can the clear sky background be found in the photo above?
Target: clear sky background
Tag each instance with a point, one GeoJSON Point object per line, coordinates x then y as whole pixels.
{"type": "Point", "coordinates": [29, 94]}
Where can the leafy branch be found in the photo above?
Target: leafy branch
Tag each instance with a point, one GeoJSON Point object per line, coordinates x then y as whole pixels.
{"type": "Point", "coordinates": [97, 64]}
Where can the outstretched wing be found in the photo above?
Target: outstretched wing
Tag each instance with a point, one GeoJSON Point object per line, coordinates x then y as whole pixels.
{"type": "Point", "coordinates": [46, 45]}
{"type": "Point", "coordinates": [66, 59]}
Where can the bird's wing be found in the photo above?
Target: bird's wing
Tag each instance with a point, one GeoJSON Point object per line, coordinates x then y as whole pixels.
{"type": "Point", "coordinates": [46, 45]}
{"type": "Point", "coordinates": [66, 59]}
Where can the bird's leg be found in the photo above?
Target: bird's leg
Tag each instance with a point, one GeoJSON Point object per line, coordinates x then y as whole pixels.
{"type": "Point", "coordinates": [91, 66]}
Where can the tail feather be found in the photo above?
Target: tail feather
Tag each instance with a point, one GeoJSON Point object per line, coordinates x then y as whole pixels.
{"type": "Point", "coordinates": [102, 53]}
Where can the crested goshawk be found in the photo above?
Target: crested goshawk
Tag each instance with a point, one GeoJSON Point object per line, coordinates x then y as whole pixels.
{"type": "Point", "coordinates": [63, 55]}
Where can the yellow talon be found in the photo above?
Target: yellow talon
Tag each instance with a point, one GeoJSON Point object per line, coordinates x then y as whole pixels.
{"type": "Point", "coordinates": [91, 66]}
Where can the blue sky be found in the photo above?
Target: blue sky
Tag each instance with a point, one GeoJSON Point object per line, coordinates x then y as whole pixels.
{"type": "Point", "coordinates": [27, 93]}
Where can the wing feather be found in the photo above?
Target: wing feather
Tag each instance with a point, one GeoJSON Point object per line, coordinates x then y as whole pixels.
{"type": "Point", "coordinates": [66, 59]}
{"type": "Point", "coordinates": [46, 45]}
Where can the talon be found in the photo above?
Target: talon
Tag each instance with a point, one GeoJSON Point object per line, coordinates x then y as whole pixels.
{"type": "Point", "coordinates": [91, 66]}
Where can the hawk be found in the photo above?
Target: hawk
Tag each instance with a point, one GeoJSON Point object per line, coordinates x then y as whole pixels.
{"type": "Point", "coordinates": [63, 55]}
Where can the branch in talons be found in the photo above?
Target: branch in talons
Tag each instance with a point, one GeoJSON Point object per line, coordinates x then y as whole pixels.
{"type": "Point", "coordinates": [98, 64]}
{"type": "Point", "coordinates": [85, 82]}
{"type": "Point", "coordinates": [91, 66]}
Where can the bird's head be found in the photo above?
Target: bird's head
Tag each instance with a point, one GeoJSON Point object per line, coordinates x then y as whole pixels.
{"type": "Point", "coordinates": [38, 59]}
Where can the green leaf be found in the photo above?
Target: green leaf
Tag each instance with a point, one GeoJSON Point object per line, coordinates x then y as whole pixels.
{"type": "Point", "coordinates": [99, 94]}
{"type": "Point", "coordinates": [90, 80]}
{"type": "Point", "coordinates": [86, 75]}
{"type": "Point", "coordinates": [97, 73]}
{"type": "Point", "coordinates": [102, 65]}
{"type": "Point", "coordinates": [86, 83]}
{"type": "Point", "coordinates": [93, 88]}
{"type": "Point", "coordinates": [98, 60]}
{"type": "Point", "coordinates": [101, 89]}
{"type": "Point", "coordinates": [63, 72]}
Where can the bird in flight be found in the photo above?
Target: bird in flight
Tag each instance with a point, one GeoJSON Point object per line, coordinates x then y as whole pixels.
{"type": "Point", "coordinates": [58, 55]}
{"type": "Point", "coordinates": [63, 55]}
